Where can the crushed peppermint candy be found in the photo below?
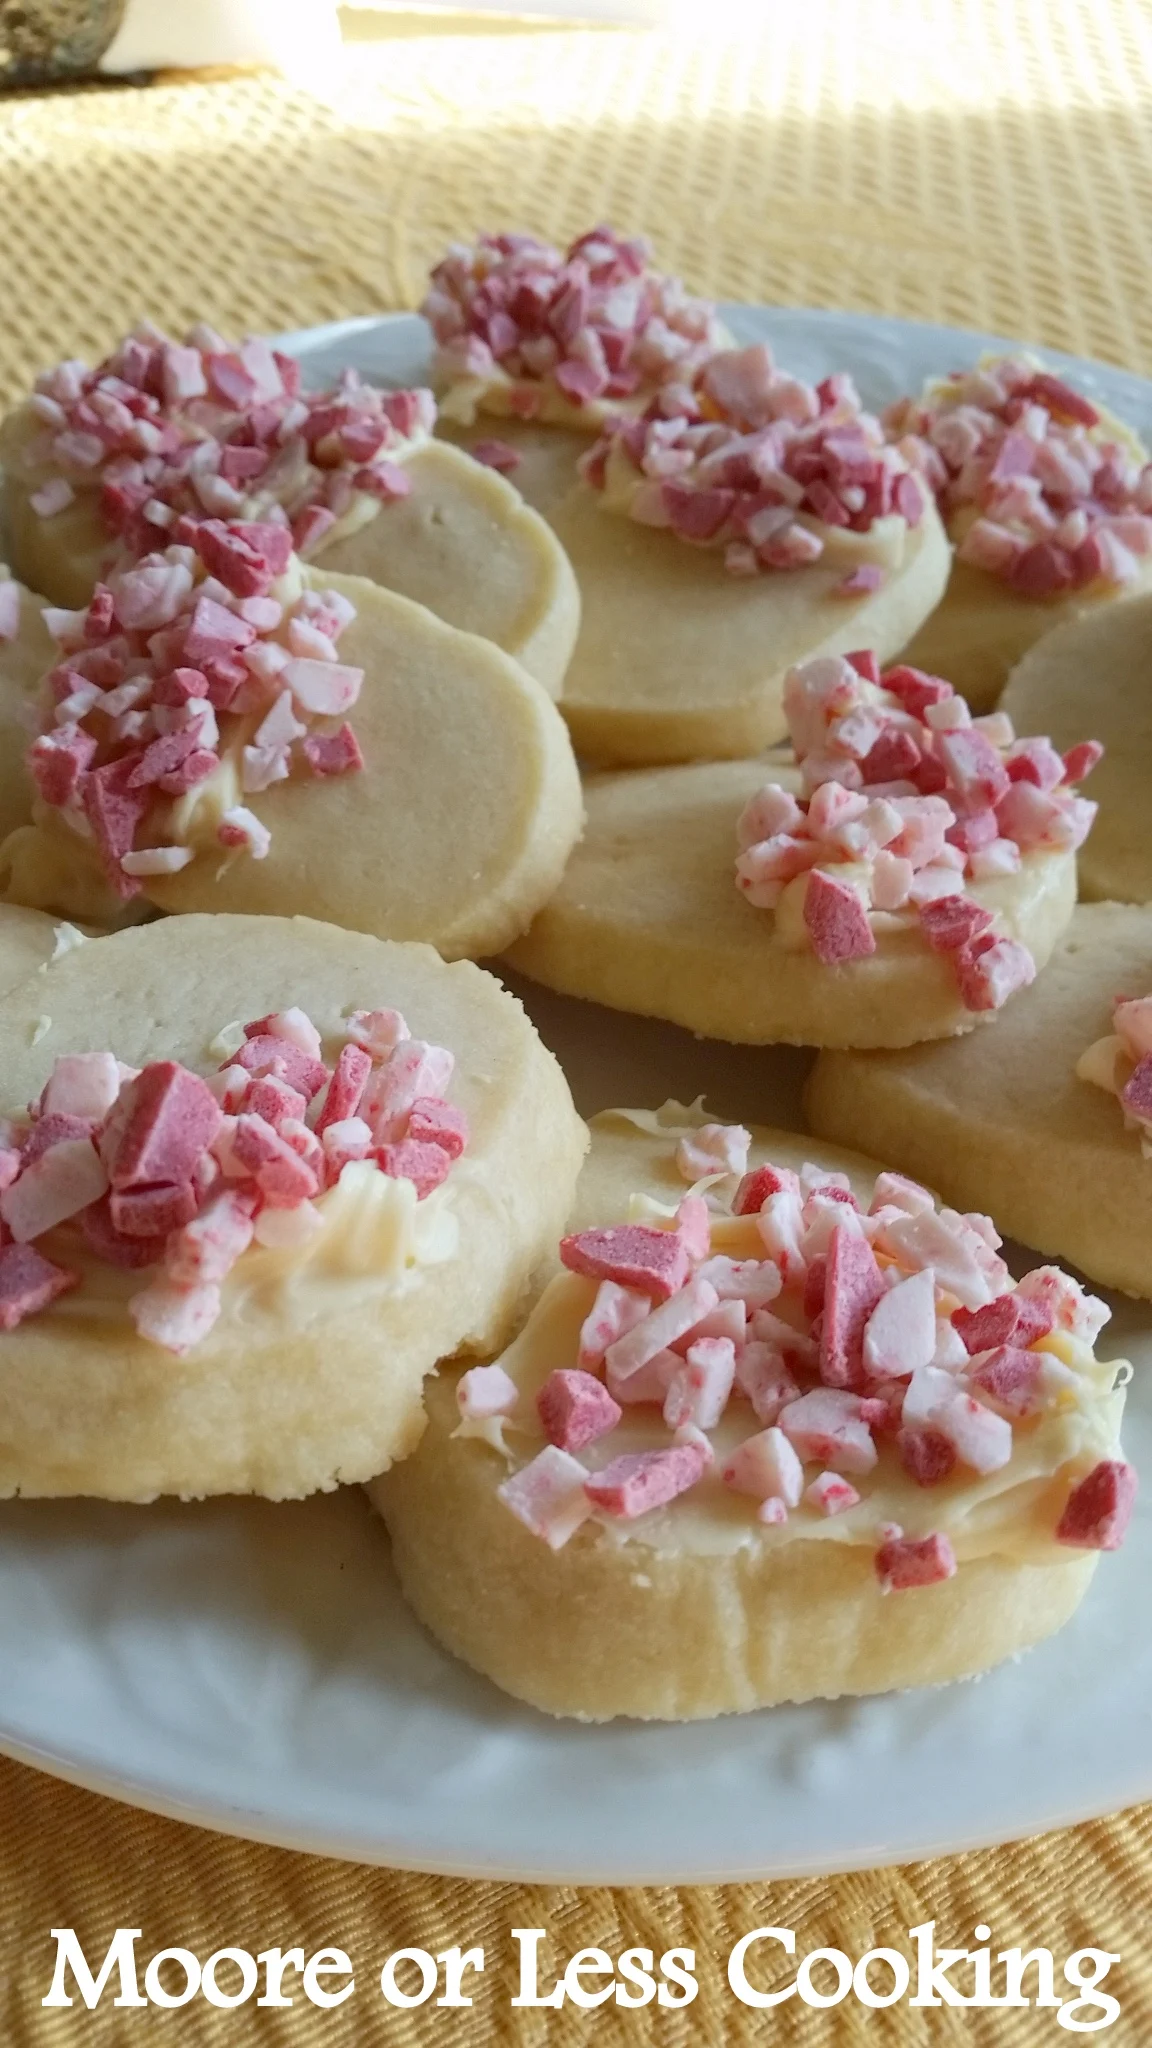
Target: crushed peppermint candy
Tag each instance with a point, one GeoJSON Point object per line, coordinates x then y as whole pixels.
{"type": "Point", "coordinates": [774, 471]}
{"type": "Point", "coordinates": [167, 1169]}
{"type": "Point", "coordinates": [848, 1351]}
{"type": "Point", "coordinates": [181, 667]}
{"type": "Point", "coordinates": [592, 322]}
{"type": "Point", "coordinates": [1037, 485]}
{"type": "Point", "coordinates": [204, 429]}
{"type": "Point", "coordinates": [907, 802]}
{"type": "Point", "coordinates": [1121, 1063]}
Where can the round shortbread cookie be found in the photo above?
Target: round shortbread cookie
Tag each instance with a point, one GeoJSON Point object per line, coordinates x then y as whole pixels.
{"type": "Point", "coordinates": [545, 470]}
{"type": "Point", "coordinates": [462, 543]}
{"type": "Point", "coordinates": [648, 918]}
{"type": "Point", "coordinates": [696, 1608]}
{"type": "Point", "coordinates": [455, 832]}
{"type": "Point", "coordinates": [680, 660]}
{"type": "Point", "coordinates": [28, 940]}
{"type": "Point", "coordinates": [1004, 1125]}
{"type": "Point", "coordinates": [982, 627]}
{"type": "Point", "coordinates": [312, 1375]}
{"type": "Point", "coordinates": [24, 659]}
{"type": "Point", "coordinates": [1096, 673]}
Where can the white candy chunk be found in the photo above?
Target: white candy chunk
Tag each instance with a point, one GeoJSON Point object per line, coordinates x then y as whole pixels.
{"type": "Point", "coordinates": [157, 860]}
{"type": "Point", "coordinates": [926, 1241]}
{"type": "Point", "coordinates": [895, 1190]}
{"type": "Point", "coordinates": [901, 1331]}
{"type": "Point", "coordinates": [229, 1085]}
{"type": "Point", "coordinates": [755, 1282]}
{"type": "Point", "coordinates": [780, 1224]}
{"type": "Point", "coordinates": [773, 1512]}
{"type": "Point", "coordinates": [64, 1180]}
{"type": "Point", "coordinates": [766, 1466]}
{"type": "Point", "coordinates": [825, 1428]}
{"type": "Point", "coordinates": [648, 1384]}
{"type": "Point", "coordinates": [486, 1390]}
{"type": "Point", "coordinates": [548, 1496]}
{"type": "Point", "coordinates": [700, 1389]}
{"type": "Point", "coordinates": [714, 1148]}
{"type": "Point", "coordinates": [205, 1250]}
{"type": "Point", "coordinates": [822, 1215]}
{"type": "Point", "coordinates": [980, 1439]}
{"type": "Point", "coordinates": [81, 1084]}
{"type": "Point", "coordinates": [831, 1495]}
{"type": "Point", "coordinates": [288, 1230]}
{"type": "Point", "coordinates": [689, 1434]}
{"type": "Point", "coordinates": [379, 1032]}
{"type": "Point", "coordinates": [176, 1318]}
{"type": "Point", "coordinates": [762, 1375]}
{"type": "Point", "coordinates": [951, 1352]}
{"type": "Point", "coordinates": [615, 1311]}
{"type": "Point", "coordinates": [412, 1069]}
{"type": "Point", "coordinates": [672, 1319]}
{"type": "Point", "coordinates": [297, 1027]}
{"type": "Point", "coordinates": [772, 810]}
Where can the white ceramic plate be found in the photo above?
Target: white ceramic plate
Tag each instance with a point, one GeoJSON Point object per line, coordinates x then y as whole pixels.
{"type": "Point", "coordinates": [252, 1668]}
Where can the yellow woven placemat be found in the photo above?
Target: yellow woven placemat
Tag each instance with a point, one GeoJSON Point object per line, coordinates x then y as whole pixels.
{"type": "Point", "coordinates": [953, 160]}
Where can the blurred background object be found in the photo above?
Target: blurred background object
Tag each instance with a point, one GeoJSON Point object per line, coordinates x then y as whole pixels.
{"type": "Point", "coordinates": [45, 42]}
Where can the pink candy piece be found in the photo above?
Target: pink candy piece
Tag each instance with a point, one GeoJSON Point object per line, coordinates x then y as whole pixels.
{"type": "Point", "coordinates": [496, 454]}
{"type": "Point", "coordinates": [926, 1453]}
{"type": "Point", "coordinates": [151, 1212]}
{"type": "Point", "coordinates": [952, 921]}
{"type": "Point", "coordinates": [53, 1129]}
{"type": "Point", "coordinates": [272, 1099]}
{"type": "Point", "coordinates": [631, 1254]}
{"type": "Point", "coordinates": [854, 1285]}
{"type": "Point", "coordinates": [28, 1283]}
{"type": "Point", "coordinates": [575, 1409]}
{"type": "Point", "coordinates": [860, 581]}
{"type": "Point", "coordinates": [1097, 1512]}
{"type": "Point", "coordinates": [111, 1244]}
{"type": "Point", "coordinates": [281, 1175]}
{"type": "Point", "coordinates": [426, 1166]}
{"type": "Point", "coordinates": [432, 1121]}
{"type": "Point", "coordinates": [1010, 1319]}
{"type": "Point", "coordinates": [988, 977]}
{"type": "Point", "coordinates": [204, 1251]}
{"type": "Point", "coordinates": [335, 753]}
{"type": "Point", "coordinates": [900, 1333]}
{"type": "Point", "coordinates": [346, 1087]}
{"type": "Point", "coordinates": [164, 1121]}
{"type": "Point", "coordinates": [57, 760]}
{"type": "Point", "coordinates": [81, 1084]}
{"type": "Point", "coordinates": [265, 1054]}
{"type": "Point", "coordinates": [56, 1186]}
{"type": "Point", "coordinates": [639, 1481]}
{"type": "Point", "coordinates": [1136, 1094]}
{"type": "Point", "coordinates": [836, 920]}
{"type": "Point", "coordinates": [1080, 760]}
{"type": "Point", "coordinates": [176, 1318]}
{"type": "Point", "coordinates": [615, 1310]}
{"type": "Point", "coordinates": [1011, 1378]}
{"type": "Point", "coordinates": [668, 1320]}
{"type": "Point", "coordinates": [904, 1561]}
{"type": "Point", "coordinates": [757, 1186]}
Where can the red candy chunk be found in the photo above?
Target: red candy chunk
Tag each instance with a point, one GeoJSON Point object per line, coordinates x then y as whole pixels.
{"type": "Point", "coordinates": [836, 920]}
{"type": "Point", "coordinates": [496, 454]}
{"type": "Point", "coordinates": [112, 1245]}
{"type": "Point", "coordinates": [641, 1480]}
{"type": "Point", "coordinates": [632, 1255]}
{"type": "Point", "coordinates": [853, 1286]}
{"type": "Point", "coordinates": [347, 1085]}
{"type": "Point", "coordinates": [904, 1561]}
{"type": "Point", "coordinates": [575, 1409]}
{"type": "Point", "coordinates": [1080, 760]}
{"type": "Point", "coordinates": [1136, 1094]}
{"type": "Point", "coordinates": [114, 810]}
{"type": "Point", "coordinates": [914, 689]}
{"type": "Point", "coordinates": [283, 1178]}
{"type": "Point", "coordinates": [952, 921]}
{"type": "Point", "coordinates": [756, 1187]}
{"type": "Point", "coordinates": [927, 1454]}
{"type": "Point", "coordinates": [975, 769]}
{"type": "Point", "coordinates": [272, 1099]}
{"type": "Point", "coordinates": [432, 1121]}
{"type": "Point", "coordinates": [1013, 1379]}
{"type": "Point", "coordinates": [1060, 399]}
{"type": "Point", "coordinates": [51, 1130]}
{"type": "Point", "coordinates": [246, 557]}
{"type": "Point", "coordinates": [57, 760]}
{"type": "Point", "coordinates": [1010, 1319]}
{"type": "Point", "coordinates": [865, 663]}
{"type": "Point", "coordinates": [164, 1121]}
{"type": "Point", "coordinates": [263, 1054]}
{"type": "Point", "coordinates": [28, 1283]}
{"type": "Point", "coordinates": [426, 1166]}
{"type": "Point", "coordinates": [152, 1212]}
{"type": "Point", "coordinates": [1098, 1511]}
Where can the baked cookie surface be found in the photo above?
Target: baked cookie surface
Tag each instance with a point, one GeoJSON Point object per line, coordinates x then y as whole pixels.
{"type": "Point", "coordinates": [309, 1372]}
{"type": "Point", "coordinates": [1100, 666]}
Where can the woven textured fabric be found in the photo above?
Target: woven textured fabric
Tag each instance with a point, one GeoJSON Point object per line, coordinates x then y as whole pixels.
{"type": "Point", "coordinates": [952, 160]}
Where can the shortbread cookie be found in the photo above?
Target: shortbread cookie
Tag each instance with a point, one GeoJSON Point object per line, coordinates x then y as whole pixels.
{"type": "Point", "coordinates": [1047, 497]}
{"type": "Point", "coordinates": [900, 885]}
{"type": "Point", "coordinates": [229, 1262]}
{"type": "Point", "coordinates": [232, 435]}
{"type": "Point", "coordinates": [28, 940]}
{"type": "Point", "coordinates": [1098, 668]}
{"type": "Point", "coordinates": [561, 337]}
{"type": "Point", "coordinates": [223, 774]}
{"type": "Point", "coordinates": [26, 652]}
{"type": "Point", "coordinates": [739, 526]}
{"type": "Point", "coordinates": [791, 1435]}
{"type": "Point", "coordinates": [1006, 1124]}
